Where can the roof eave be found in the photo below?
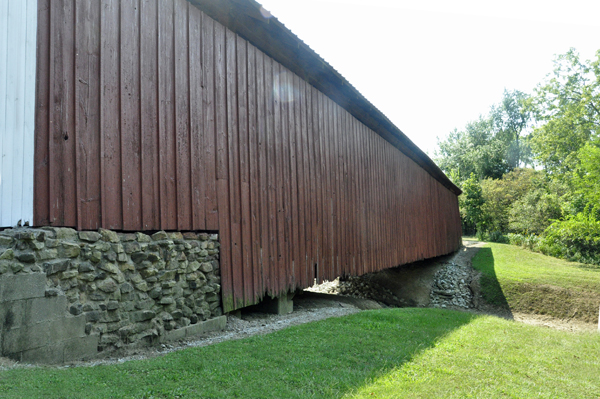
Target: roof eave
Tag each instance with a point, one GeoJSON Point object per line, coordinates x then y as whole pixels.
{"type": "Point", "coordinates": [244, 17]}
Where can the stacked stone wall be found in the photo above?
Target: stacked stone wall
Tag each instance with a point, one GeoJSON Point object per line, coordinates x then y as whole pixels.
{"type": "Point", "coordinates": [111, 289]}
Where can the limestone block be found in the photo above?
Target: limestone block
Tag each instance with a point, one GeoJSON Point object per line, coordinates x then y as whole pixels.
{"type": "Point", "coordinates": [11, 314]}
{"type": "Point", "coordinates": [9, 254]}
{"type": "Point", "coordinates": [66, 328]}
{"type": "Point", "coordinates": [81, 348]}
{"type": "Point", "coordinates": [142, 315]}
{"type": "Point", "coordinates": [89, 236]}
{"type": "Point", "coordinates": [24, 338]}
{"type": "Point", "coordinates": [26, 257]}
{"type": "Point", "coordinates": [109, 236]}
{"type": "Point", "coordinates": [22, 286]}
{"type": "Point", "coordinates": [47, 308]}
{"type": "Point", "coordinates": [52, 354]}
{"type": "Point", "coordinates": [108, 285]}
{"type": "Point", "coordinates": [70, 250]}
{"type": "Point", "coordinates": [216, 324]}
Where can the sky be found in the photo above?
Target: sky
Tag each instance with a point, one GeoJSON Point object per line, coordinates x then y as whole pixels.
{"type": "Point", "coordinates": [433, 65]}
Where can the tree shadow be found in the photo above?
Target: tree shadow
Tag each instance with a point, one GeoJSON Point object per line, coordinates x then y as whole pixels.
{"type": "Point", "coordinates": [489, 286]}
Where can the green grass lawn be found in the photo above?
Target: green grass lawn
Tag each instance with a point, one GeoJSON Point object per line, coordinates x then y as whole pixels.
{"type": "Point", "coordinates": [530, 282]}
{"type": "Point", "coordinates": [392, 353]}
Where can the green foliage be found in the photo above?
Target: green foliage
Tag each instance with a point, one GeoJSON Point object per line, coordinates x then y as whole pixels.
{"type": "Point", "coordinates": [492, 236]}
{"type": "Point", "coordinates": [587, 176]}
{"type": "Point", "coordinates": [530, 242]}
{"type": "Point", "coordinates": [470, 205]}
{"type": "Point", "coordinates": [500, 194]}
{"type": "Point", "coordinates": [567, 108]}
{"type": "Point", "coordinates": [576, 239]}
{"type": "Point", "coordinates": [534, 211]}
{"type": "Point", "coordinates": [510, 118]}
{"type": "Point", "coordinates": [564, 197]}
{"type": "Point", "coordinates": [490, 146]}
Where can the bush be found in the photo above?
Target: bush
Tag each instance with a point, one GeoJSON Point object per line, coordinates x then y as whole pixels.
{"type": "Point", "coordinates": [494, 236]}
{"type": "Point", "coordinates": [576, 239]}
{"type": "Point", "coordinates": [531, 241]}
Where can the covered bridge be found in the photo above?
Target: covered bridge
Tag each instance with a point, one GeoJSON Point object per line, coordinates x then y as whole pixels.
{"type": "Point", "coordinates": [209, 115]}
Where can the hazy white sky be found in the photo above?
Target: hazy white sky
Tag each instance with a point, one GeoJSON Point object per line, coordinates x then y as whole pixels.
{"type": "Point", "coordinates": [432, 66]}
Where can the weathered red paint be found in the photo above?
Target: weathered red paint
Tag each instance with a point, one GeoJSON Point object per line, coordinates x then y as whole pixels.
{"type": "Point", "coordinates": [152, 115]}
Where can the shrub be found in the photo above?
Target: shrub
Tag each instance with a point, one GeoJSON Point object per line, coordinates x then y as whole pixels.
{"type": "Point", "coordinates": [531, 241]}
{"type": "Point", "coordinates": [576, 239]}
{"type": "Point", "coordinates": [494, 236]}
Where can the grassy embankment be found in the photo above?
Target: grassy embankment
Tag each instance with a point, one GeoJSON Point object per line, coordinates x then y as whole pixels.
{"type": "Point", "coordinates": [392, 353]}
{"type": "Point", "coordinates": [530, 282]}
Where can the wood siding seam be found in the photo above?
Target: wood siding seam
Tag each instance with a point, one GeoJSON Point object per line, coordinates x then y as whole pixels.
{"type": "Point", "coordinates": [175, 122]}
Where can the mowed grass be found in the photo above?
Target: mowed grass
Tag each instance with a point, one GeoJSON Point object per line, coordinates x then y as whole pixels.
{"type": "Point", "coordinates": [530, 282]}
{"type": "Point", "coordinates": [391, 353]}
{"type": "Point", "coordinates": [496, 358]}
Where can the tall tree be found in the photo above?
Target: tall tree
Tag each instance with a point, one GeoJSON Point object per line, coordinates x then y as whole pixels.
{"type": "Point", "coordinates": [567, 110]}
{"type": "Point", "coordinates": [510, 120]}
{"type": "Point", "coordinates": [490, 146]}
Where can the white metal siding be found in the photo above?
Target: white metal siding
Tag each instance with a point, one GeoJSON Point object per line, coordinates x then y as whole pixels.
{"type": "Point", "coordinates": [18, 29]}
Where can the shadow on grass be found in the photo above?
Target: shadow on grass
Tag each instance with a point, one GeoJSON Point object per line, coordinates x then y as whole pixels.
{"type": "Point", "coordinates": [490, 287]}
{"type": "Point", "coordinates": [324, 359]}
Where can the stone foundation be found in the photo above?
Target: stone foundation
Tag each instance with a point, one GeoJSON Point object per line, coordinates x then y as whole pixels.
{"type": "Point", "coordinates": [66, 295]}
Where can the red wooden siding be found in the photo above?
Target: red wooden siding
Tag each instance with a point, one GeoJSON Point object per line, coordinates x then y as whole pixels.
{"type": "Point", "coordinates": [151, 115]}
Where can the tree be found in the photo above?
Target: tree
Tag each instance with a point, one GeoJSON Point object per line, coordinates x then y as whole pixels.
{"type": "Point", "coordinates": [587, 176]}
{"type": "Point", "coordinates": [490, 146]}
{"type": "Point", "coordinates": [567, 110]}
{"type": "Point", "coordinates": [500, 195]}
{"type": "Point", "coordinates": [470, 204]}
{"type": "Point", "coordinates": [538, 208]}
{"type": "Point", "coordinates": [510, 118]}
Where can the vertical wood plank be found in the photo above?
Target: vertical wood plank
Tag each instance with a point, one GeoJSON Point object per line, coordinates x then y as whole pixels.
{"type": "Point", "coordinates": [271, 174]}
{"type": "Point", "coordinates": [210, 52]}
{"type": "Point", "coordinates": [286, 203]}
{"type": "Point", "coordinates": [42, 113]}
{"type": "Point", "coordinates": [233, 135]}
{"type": "Point", "coordinates": [254, 142]}
{"type": "Point", "coordinates": [244, 168]}
{"type": "Point", "coordinates": [149, 113]}
{"type": "Point", "coordinates": [261, 100]}
{"type": "Point", "coordinates": [318, 199]}
{"type": "Point", "coordinates": [130, 115]}
{"type": "Point", "coordinates": [183, 184]}
{"type": "Point", "coordinates": [343, 188]}
{"type": "Point", "coordinates": [62, 119]}
{"type": "Point", "coordinates": [222, 168]}
{"type": "Point", "coordinates": [304, 186]}
{"type": "Point", "coordinates": [300, 261]}
{"type": "Point", "coordinates": [293, 182]}
{"type": "Point", "coordinates": [197, 115]}
{"type": "Point", "coordinates": [87, 117]}
{"type": "Point", "coordinates": [280, 266]}
{"type": "Point", "coordinates": [326, 186]}
{"type": "Point", "coordinates": [167, 120]}
{"type": "Point", "coordinates": [110, 141]}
